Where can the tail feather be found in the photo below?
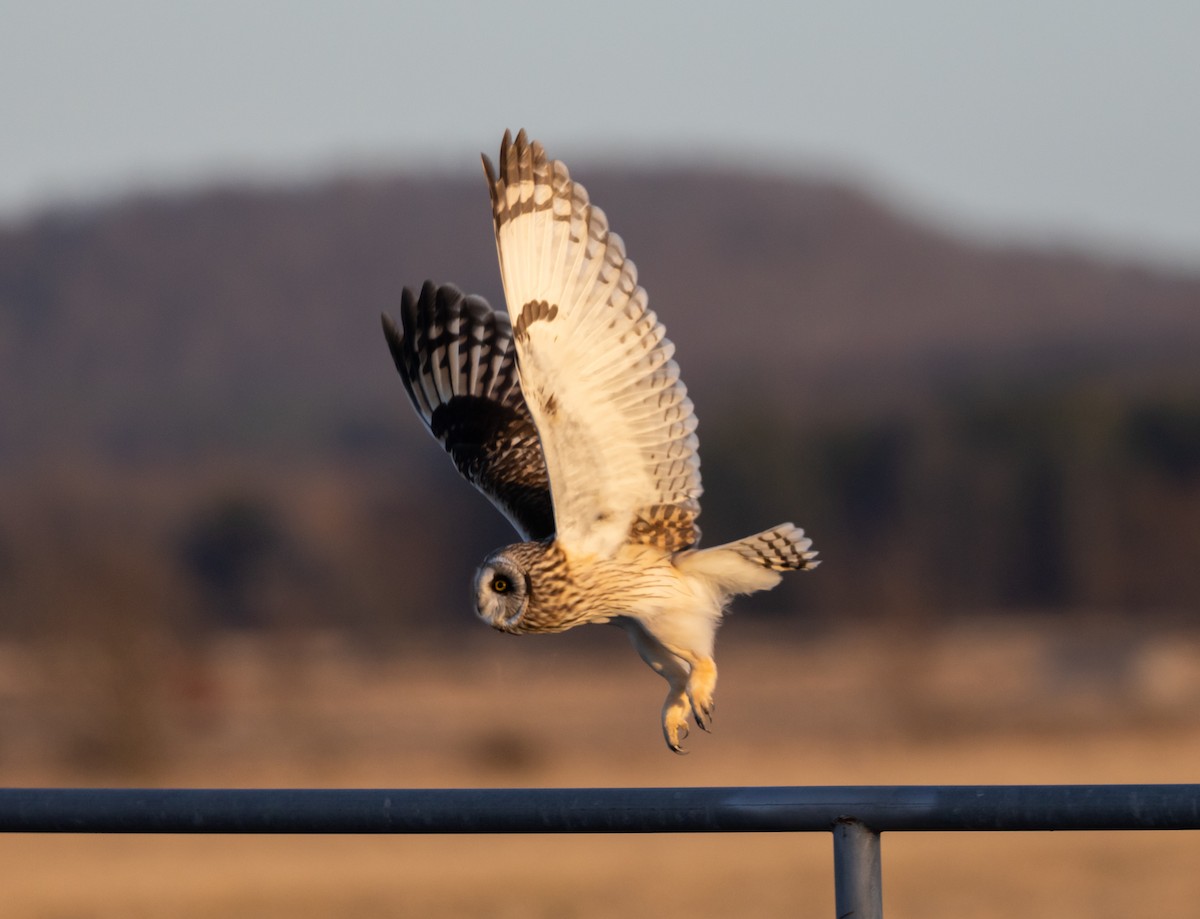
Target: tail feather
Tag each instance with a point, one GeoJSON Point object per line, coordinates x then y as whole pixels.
{"type": "Point", "coordinates": [781, 548]}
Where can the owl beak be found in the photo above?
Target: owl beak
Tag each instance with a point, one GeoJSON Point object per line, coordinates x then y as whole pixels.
{"type": "Point", "coordinates": [489, 610]}
{"type": "Point", "coordinates": [511, 625]}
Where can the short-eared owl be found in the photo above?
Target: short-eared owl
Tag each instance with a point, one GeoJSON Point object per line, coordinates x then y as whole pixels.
{"type": "Point", "coordinates": [569, 415]}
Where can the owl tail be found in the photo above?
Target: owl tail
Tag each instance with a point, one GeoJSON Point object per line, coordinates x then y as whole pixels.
{"type": "Point", "coordinates": [781, 548]}
{"type": "Point", "coordinates": [753, 563]}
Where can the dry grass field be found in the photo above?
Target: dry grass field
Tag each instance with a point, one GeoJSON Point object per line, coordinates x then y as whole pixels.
{"type": "Point", "coordinates": [987, 701]}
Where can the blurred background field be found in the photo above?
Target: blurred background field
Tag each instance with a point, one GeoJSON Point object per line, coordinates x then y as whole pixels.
{"type": "Point", "coordinates": [229, 555]}
{"type": "Point", "coordinates": [935, 287]}
{"type": "Point", "coordinates": [984, 700]}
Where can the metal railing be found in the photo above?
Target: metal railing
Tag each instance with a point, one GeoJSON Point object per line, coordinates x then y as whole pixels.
{"type": "Point", "coordinates": [854, 815]}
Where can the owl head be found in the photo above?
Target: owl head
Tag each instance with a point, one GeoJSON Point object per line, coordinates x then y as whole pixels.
{"type": "Point", "coordinates": [502, 587]}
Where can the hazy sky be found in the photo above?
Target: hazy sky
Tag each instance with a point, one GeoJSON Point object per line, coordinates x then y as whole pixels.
{"type": "Point", "coordinates": [1059, 119]}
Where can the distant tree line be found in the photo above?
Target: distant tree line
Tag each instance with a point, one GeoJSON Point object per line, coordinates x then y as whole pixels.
{"type": "Point", "coordinates": [1045, 501]}
{"type": "Point", "coordinates": [1029, 500]}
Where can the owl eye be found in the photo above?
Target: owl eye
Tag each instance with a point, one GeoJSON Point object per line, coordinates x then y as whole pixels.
{"type": "Point", "coordinates": [500, 584]}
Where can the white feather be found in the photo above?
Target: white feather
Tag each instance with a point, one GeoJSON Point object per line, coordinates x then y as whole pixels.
{"type": "Point", "coordinates": [727, 572]}
{"type": "Point", "coordinates": [616, 425]}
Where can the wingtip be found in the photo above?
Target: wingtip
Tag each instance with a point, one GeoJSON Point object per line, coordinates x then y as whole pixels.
{"type": "Point", "coordinates": [507, 147]}
{"type": "Point", "coordinates": [489, 168]}
{"type": "Point", "coordinates": [389, 325]}
{"type": "Point", "coordinates": [395, 341]}
{"type": "Point", "coordinates": [393, 331]}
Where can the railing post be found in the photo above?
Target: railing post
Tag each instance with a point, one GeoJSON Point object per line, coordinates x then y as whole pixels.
{"type": "Point", "coordinates": [857, 872]}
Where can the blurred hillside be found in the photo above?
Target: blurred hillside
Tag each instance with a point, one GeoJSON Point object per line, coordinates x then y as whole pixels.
{"type": "Point", "coordinates": [201, 425]}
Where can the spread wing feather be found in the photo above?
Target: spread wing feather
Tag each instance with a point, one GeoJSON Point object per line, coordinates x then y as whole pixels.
{"type": "Point", "coordinates": [596, 368]}
{"type": "Point", "coordinates": [456, 359]}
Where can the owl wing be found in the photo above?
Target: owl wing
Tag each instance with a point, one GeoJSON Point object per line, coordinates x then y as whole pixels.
{"type": "Point", "coordinates": [617, 427]}
{"type": "Point", "coordinates": [456, 360]}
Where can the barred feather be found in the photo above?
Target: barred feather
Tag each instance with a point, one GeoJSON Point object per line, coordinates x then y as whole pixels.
{"type": "Point", "coordinates": [455, 357]}
{"type": "Point", "coordinates": [781, 548]}
{"type": "Point", "coordinates": [617, 427]}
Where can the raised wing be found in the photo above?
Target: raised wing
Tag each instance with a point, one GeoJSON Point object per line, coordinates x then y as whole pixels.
{"type": "Point", "coordinates": [617, 427]}
{"type": "Point", "coordinates": [455, 356]}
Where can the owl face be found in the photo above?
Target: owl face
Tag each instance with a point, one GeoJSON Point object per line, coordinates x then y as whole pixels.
{"type": "Point", "coordinates": [501, 593]}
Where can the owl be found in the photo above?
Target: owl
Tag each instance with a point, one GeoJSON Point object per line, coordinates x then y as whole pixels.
{"type": "Point", "coordinates": [568, 413]}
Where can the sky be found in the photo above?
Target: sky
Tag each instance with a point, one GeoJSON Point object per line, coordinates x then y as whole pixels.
{"type": "Point", "coordinates": [1053, 121]}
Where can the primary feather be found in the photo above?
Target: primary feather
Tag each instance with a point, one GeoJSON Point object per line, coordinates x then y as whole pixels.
{"type": "Point", "coordinates": [455, 357]}
{"type": "Point", "coordinates": [596, 368]}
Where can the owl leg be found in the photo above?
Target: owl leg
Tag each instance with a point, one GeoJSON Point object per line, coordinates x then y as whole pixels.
{"type": "Point", "coordinates": [701, 685]}
{"type": "Point", "coordinates": [675, 708]}
{"type": "Point", "coordinates": [672, 669]}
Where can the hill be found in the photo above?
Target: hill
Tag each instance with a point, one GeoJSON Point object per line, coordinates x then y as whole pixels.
{"type": "Point", "coordinates": [196, 395]}
{"type": "Point", "coordinates": [247, 318]}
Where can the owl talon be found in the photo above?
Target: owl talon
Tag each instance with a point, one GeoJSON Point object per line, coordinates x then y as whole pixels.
{"type": "Point", "coordinates": [675, 730]}
{"type": "Point", "coordinates": [702, 682]}
{"type": "Point", "coordinates": [676, 735]}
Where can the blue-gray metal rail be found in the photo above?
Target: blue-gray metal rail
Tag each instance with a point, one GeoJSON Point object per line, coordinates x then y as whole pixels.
{"type": "Point", "coordinates": [854, 815]}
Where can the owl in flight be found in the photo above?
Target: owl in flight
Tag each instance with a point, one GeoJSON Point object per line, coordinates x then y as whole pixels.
{"type": "Point", "coordinates": [569, 415]}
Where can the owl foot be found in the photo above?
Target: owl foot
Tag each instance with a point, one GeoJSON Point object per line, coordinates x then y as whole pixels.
{"type": "Point", "coordinates": [675, 728]}
{"type": "Point", "coordinates": [704, 715]}
{"type": "Point", "coordinates": [701, 684]}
